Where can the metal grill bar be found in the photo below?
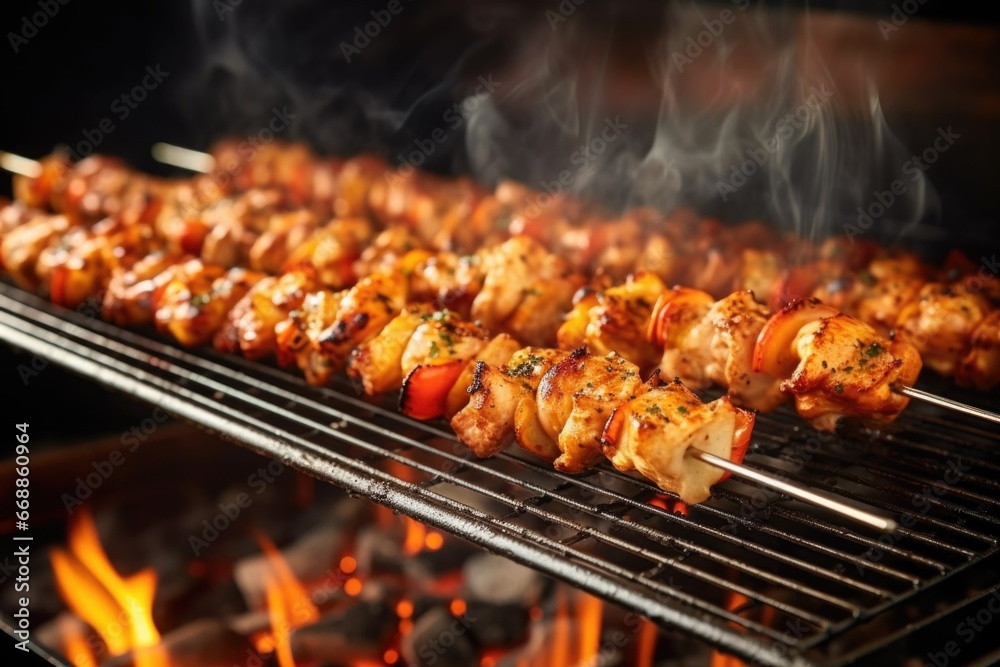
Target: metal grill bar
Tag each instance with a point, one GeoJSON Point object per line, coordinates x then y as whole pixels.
{"type": "Point", "coordinates": [597, 531]}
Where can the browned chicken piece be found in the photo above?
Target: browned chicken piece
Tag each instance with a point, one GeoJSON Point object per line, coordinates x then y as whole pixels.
{"type": "Point", "coordinates": [718, 348]}
{"type": "Point", "coordinates": [378, 362]}
{"type": "Point", "coordinates": [940, 324]}
{"type": "Point", "coordinates": [363, 312]}
{"type": "Point", "coordinates": [497, 352]}
{"type": "Point", "coordinates": [442, 337]}
{"type": "Point", "coordinates": [847, 369]}
{"type": "Point", "coordinates": [488, 423]}
{"type": "Point", "coordinates": [36, 192]}
{"type": "Point", "coordinates": [21, 247]}
{"type": "Point", "coordinates": [660, 256]}
{"type": "Point", "coordinates": [759, 271]}
{"type": "Point", "coordinates": [193, 305]}
{"type": "Point", "coordinates": [251, 323]}
{"type": "Point", "coordinates": [981, 366]}
{"type": "Point", "coordinates": [615, 319]}
{"type": "Point", "coordinates": [234, 225]}
{"type": "Point", "coordinates": [129, 297]}
{"type": "Point", "coordinates": [80, 264]}
{"type": "Point", "coordinates": [435, 208]}
{"type": "Point", "coordinates": [525, 291]}
{"type": "Point", "coordinates": [385, 251]}
{"type": "Point", "coordinates": [880, 300]}
{"type": "Point", "coordinates": [13, 215]}
{"type": "Point", "coordinates": [331, 251]}
{"type": "Point", "coordinates": [354, 185]}
{"type": "Point", "coordinates": [298, 337]}
{"type": "Point", "coordinates": [575, 399]}
{"type": "Point", "coordinates": [653, 432]}
{"type": "Point", "coordinates": [284, 234]}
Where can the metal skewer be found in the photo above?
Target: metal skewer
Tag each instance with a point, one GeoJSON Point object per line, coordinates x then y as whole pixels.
{"type": "Point", "coordinates": [185, 158]}
{"type": "Point", "coordinates": [943, 402]}
{"type": "Point", "coordinates": [18, 164]}
{"type": "Point", "coordinates": [824, 500]}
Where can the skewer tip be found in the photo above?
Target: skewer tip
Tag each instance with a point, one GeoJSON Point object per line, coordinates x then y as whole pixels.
{"type": "Point", "coordinates": [18, 164]}
{"type": "Point", "coordinates": [185, 158]}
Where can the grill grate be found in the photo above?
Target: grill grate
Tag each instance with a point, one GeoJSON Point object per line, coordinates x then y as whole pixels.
{"type": "Point", "coordinates": [752, 572]}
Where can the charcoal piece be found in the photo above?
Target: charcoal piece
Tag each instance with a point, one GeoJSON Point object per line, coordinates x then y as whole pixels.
{"type": "Point", "coordinates": [441, 640]}
{"type": "Point", "coordinates": [378, 553]}
{"type": "Point", "coordinates": [359, 632]}
{"type": "Point", "coordinates": [496, 625]}
{"type": "Point", "coordinates": [206, 643]}
{"type": "Point", "coordinates": [490, 578]}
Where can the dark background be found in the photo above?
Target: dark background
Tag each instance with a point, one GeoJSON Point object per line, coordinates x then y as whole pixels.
{"type": "Point", "coordinates": [230, 64]}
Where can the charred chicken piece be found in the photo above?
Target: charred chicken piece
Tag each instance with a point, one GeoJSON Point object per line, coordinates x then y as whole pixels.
{"type": "Point", "coordinates": [22, 246]}
{"type": "Point", "coordinates": [981, 366]}
{"type": "Point", "coordinates": [940, 323]}
{"type": "Point", "coordinates": [250, 325]}
{"type": "Point", "coordinates": [615, 319]}
{"type": "Point", "coordinates": [706, 343]}
{"type": "Point", "coordinates": [575, 398]}
{"type": "Point", "coordinates": [525, 291]}
{"type": "Point", "coordinates": [835, 365]}
{"type": "Point", "coordinates": [502, 403]}
{"type": "Point", "coordinates": [194, 303]}
{"type": "Point", "coordinates": [653, 432]}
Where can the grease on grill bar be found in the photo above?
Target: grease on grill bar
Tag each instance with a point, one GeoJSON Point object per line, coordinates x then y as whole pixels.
{"type": "Point", "coordinates": [606, 532]}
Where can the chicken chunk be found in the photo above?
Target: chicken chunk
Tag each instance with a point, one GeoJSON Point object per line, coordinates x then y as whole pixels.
{"type": "Point", "coordinates": [653, 433]}
{"type": "Point", "coordinates": [847, 369]}
{"type": "Point", "coordinates": [940, 324]}
{"type": "Point", "coordinates": [615, 319]}
{"type": "Point", "coordinates": [575, 398]}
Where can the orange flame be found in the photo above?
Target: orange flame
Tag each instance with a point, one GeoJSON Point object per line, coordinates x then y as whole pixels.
{"type": "Point", "coordinates": [647, 644]}
{"type": "Point", "coordinates": [288, 604]}
{"type": "Point", "coordinates": [75, 646]}
{"type": "Point", "coordinates": [119, 609]}
{"type": "Point", "coordinates": [589, 611]}
{"type": "Point", "coordinates": [560, 634]}
{"type": "Point", "coordinates": [734, 602]}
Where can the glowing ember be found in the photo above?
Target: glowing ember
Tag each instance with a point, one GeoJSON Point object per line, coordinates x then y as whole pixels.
{"type": "Point", "coordinates": [434, 541]}
{"type": "Point", "coordinates": [391, 657]}
{"type": "Point", "coordinates": [119, 609]}
{"type": "Point", "coordinates": [353, 586]}
{"type": "Point", "coordinates": [404, 609]}
{"type": "Point", "coordinates": [348, 565]}
{"type": "Point", "coordinates": [457, 607]}
{"type": "Point", "coordinates": [668, 504]}
{"type": "Point", "coordinates": [415, 533]}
